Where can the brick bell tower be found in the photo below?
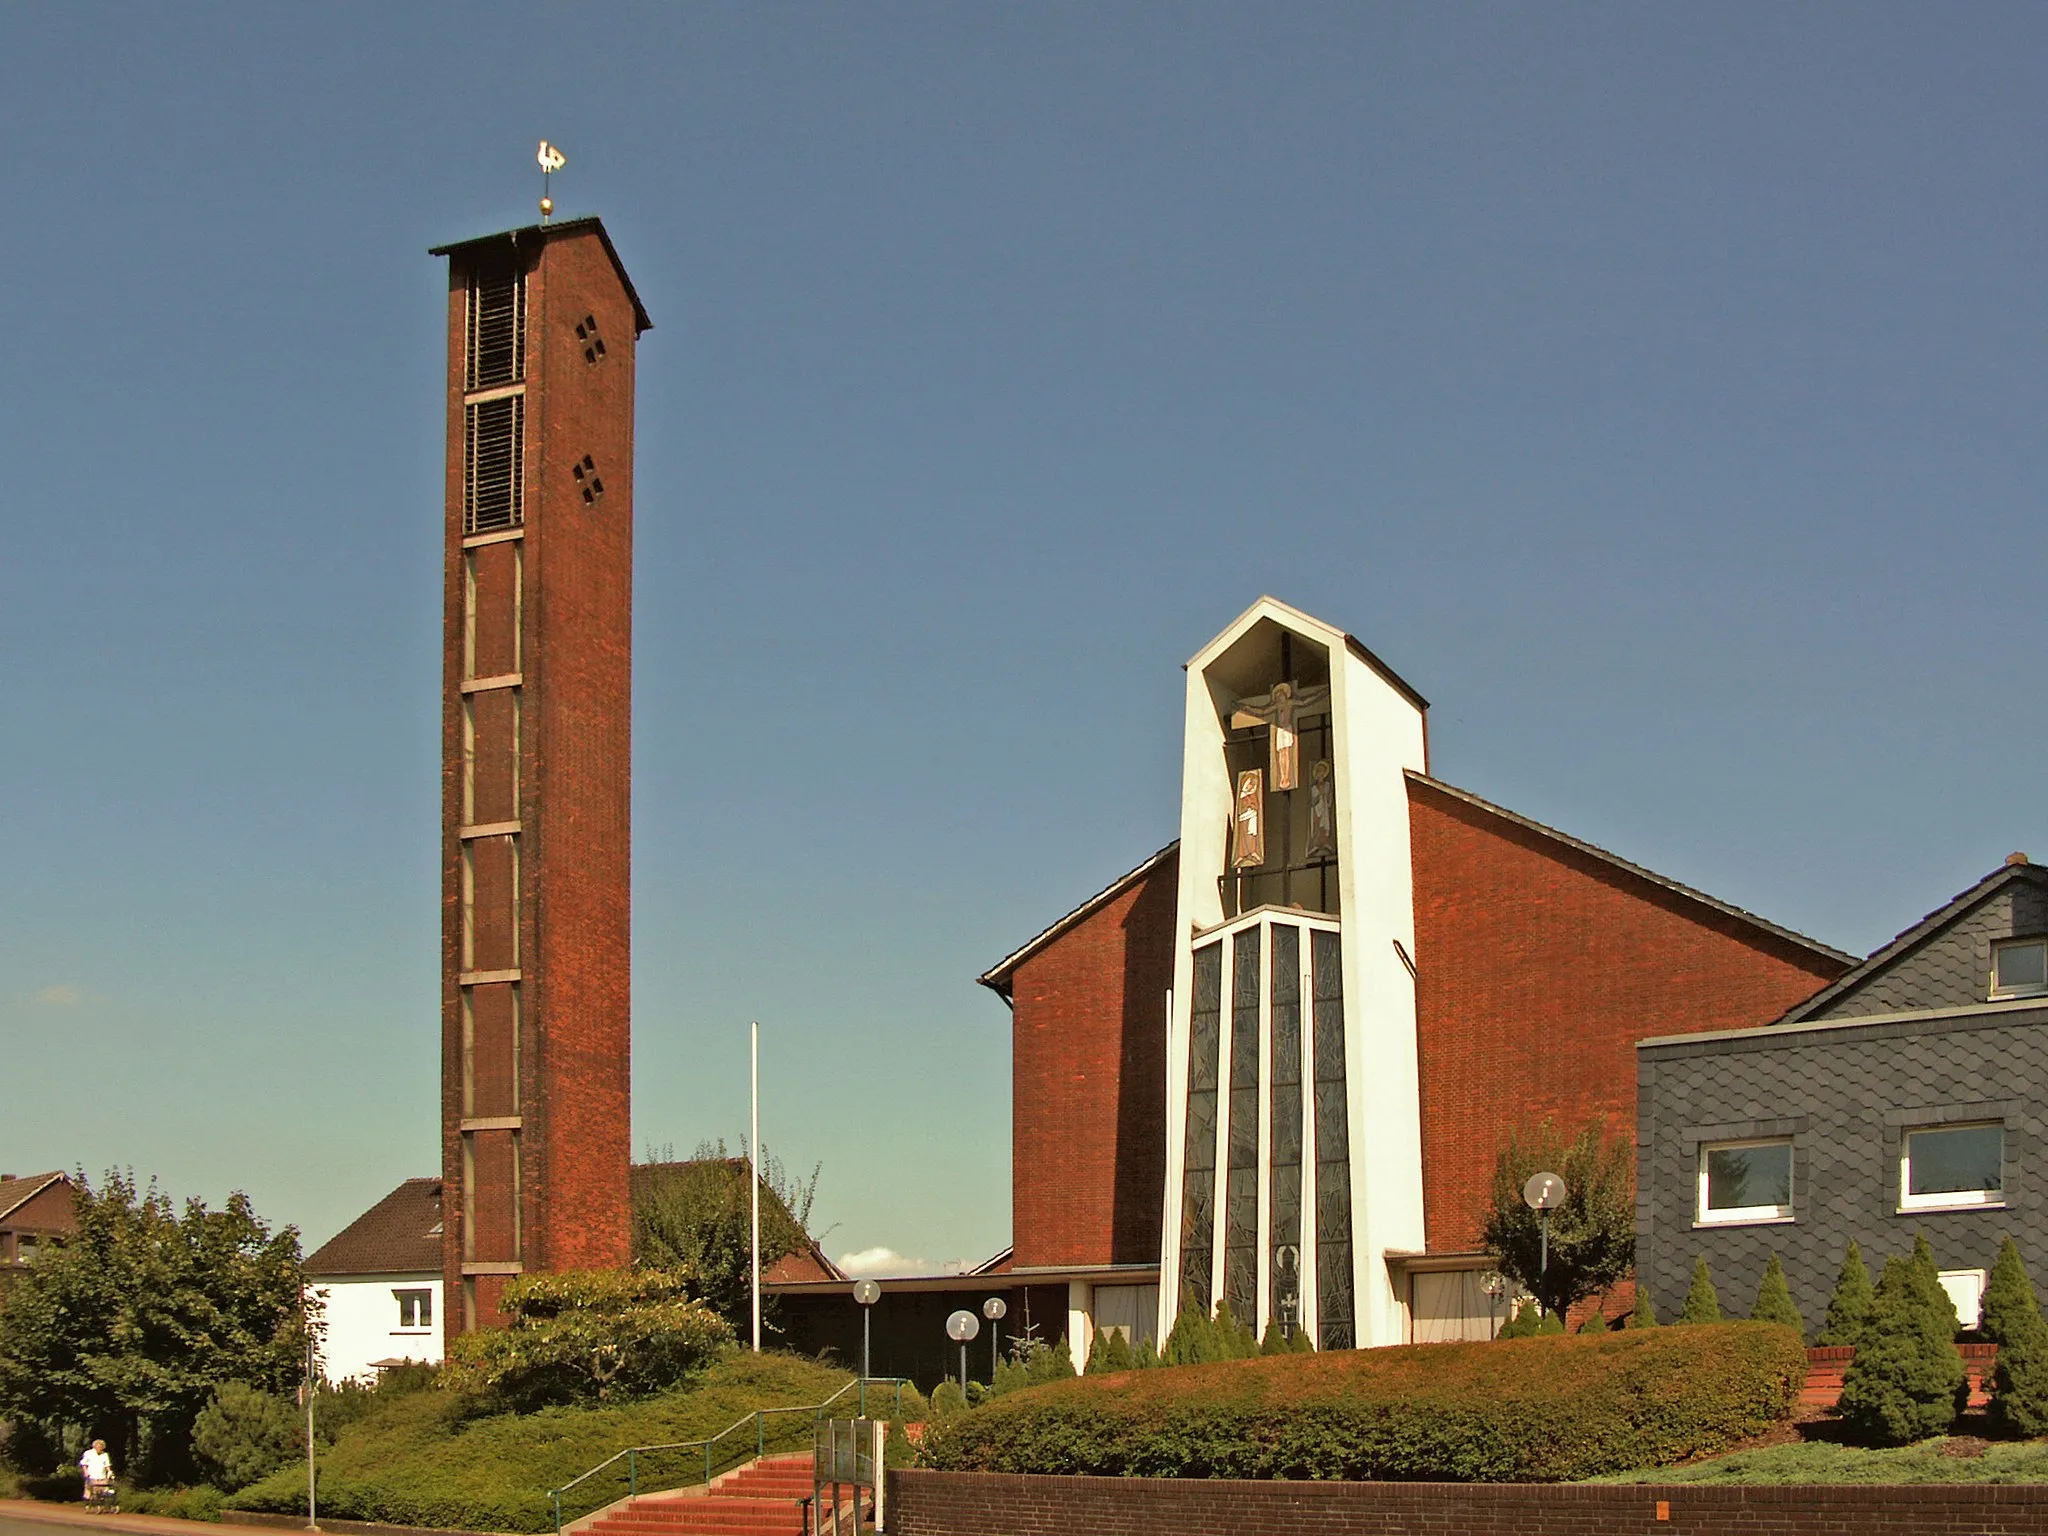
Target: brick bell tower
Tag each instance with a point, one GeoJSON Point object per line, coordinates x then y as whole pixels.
{"type": "Point", "coordinates": [535, 760]}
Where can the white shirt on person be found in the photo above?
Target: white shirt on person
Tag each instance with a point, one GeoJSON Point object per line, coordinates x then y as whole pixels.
{"type": "Point", "coordinates": [97, 1465]}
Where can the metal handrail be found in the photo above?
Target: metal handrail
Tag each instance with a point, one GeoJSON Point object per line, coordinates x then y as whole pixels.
{"type": "Point", "coordinates": [631, 1455]}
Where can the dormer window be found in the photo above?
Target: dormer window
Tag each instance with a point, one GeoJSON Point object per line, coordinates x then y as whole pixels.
{"type": "Point", "coordinates": [2019, 968]}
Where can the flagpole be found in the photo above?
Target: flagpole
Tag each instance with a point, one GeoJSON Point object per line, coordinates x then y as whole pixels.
{"type": "Point", "coordinates": [754, 1153]}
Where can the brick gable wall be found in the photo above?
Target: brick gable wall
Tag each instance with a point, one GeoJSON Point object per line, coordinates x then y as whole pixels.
{"type": "Point", "coordinates": [1538, 969]}
{"type": "Point", "coordinates": [1088, 1086]}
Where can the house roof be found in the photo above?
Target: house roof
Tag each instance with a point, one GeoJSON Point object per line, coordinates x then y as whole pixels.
{"type": "Point", "coordinates": [1650, 876]}
{"type": "Point", "coordinates": [536, 234]}
{"type": "Point", "coordinates": [400, 1234]}
{"type": "Point", "coordinates": [2007, 874]}
{"type": "Point", "coordinates": [997, 977]}
{"type": "Point", "coordinates": [15, 1193]}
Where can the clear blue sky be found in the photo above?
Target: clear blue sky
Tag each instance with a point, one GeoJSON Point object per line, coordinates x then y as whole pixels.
{"type": "Point", "coordinates": [1659, 389]}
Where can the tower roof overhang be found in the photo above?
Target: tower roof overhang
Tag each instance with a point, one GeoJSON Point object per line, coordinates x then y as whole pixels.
{"type": "Point", "coordinates": [540, 234]}
{"type": "Point", "coordinates": [1290, 617]}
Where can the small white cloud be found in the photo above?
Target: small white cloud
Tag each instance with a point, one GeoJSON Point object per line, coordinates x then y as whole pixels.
{"type": "Point", "coordinates": [63, 995]}
{"type": "Point", "coordinates": [882, 1263]}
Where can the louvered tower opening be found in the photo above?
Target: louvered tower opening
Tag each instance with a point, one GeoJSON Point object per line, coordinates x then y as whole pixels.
{"type": "Point", "coordinates": [494, 429]}
{"type": "Point", "coordinates": [497, 328]}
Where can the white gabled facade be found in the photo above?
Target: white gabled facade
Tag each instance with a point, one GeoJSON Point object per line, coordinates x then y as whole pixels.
{"type": "Point", "coordinates": [373, 1320]}
{"type": "Point", "coordinates": [1261, 955]}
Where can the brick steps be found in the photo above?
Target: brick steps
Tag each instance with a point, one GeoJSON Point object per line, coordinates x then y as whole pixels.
{"type": "Point", "coordinates": [763, 1499]}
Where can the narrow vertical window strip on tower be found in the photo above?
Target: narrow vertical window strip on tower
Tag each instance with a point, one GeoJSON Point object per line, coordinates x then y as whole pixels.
{"type": "Point", "coordinates": [1241, 1198]}
{"type": "Point", "coordinates": [1334, 1302]}
{"type": "Point", "coordinates": [1198, 1158]}
{"type": "Point", "coordinates": [1284, 1179]}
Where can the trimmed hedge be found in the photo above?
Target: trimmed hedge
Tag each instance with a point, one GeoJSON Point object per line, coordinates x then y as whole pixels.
{"type": "Point", "coordinates": [1529, 1410]}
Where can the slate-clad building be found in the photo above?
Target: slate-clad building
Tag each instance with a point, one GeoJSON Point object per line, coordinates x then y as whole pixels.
{"type": "Point", "coordinates": [1910, 1095]}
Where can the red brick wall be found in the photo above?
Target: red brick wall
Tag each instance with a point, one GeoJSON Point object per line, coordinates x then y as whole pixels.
{"type": "Point", "coordinates": [973, 1503]}
{"type": "Point", "coordinates": [574, 651]}
{"type": "Point", "coordinates": [576, 801]}
{"type": "Point", "coordinates": [1538, 968]}
{"type": "Point", "coordinates": [1088, 1084]}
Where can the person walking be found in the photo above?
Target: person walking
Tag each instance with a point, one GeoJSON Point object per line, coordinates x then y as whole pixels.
{"type": "Point", "coordinates": [98, 1468]}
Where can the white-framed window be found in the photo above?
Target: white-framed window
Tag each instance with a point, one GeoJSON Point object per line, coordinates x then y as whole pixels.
{"type": "Point", "coordinates": [2019, 968]}
{"type": "Point", "coordinates": [1942, 1166]}
{"type": "Point", "coordinates": [415, 1308]}
{"type": "Point", "coordinates": [1745, 1181]}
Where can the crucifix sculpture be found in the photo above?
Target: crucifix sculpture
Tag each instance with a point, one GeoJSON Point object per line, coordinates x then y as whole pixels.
{"type": "Point", "coordinates": [1278, 711]}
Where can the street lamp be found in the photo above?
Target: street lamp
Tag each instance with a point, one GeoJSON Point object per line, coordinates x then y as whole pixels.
{"type": "Point", "coordinates": [994, 1309]}
{"type": "Point", "coordinates": [960, 1327]}
{"type": "Point", "coordinates": [867, 1293]}
{"type": "Point", "coordinates": [1543, 1194]}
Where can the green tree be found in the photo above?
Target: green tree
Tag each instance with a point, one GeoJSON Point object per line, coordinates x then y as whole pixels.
{"type": "Point", "coordinates": [589, 1335]}
{"type": "Point", "coordinates": [1928, 1287]}
{"type": "Point", "coordinates": [1774, 1299]}
{"type": "Point", "coordinates": [1592, 1234]}
{"type": "Point", "coordinates": [1907, 1377]}
{"type": "Point", "coordinates": [1702, 1305]}
{"type": "Point", "coordinates": [127, 1330]}
{"type": "Point", "coordinates": [1523, 1325]}
{"type": "Point", "coordinates": [1596, 1322]}
{"type": "Point", "coordinates": [245, 1433]}
{"type": "Point", "coordinates": [1192, 1339]}
{"type": "Point", "coordinates": [1234, 1340]}
{"type": "Point", "coordinates": [696, 1218]}
{"type": "Point", "coordinates": [1645, 1313]}
{"type": "Point", "coordinates": [1110, 1352]}
{"type": "Point", "coordinates": [2013, 1321]}
{"type": "Point", "coordinates": [1849, 1307]}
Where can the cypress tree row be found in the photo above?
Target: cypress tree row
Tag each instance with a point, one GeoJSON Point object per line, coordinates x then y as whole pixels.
{"type": "Point", "coordinates": [1849, 1307]}
{"type": "Point", "coordinates": [1774, 1299]}
{"type": "Point", "coordinates": [1907, 1379]}
{"type": "Point", "coordinates": [1701, 1304]}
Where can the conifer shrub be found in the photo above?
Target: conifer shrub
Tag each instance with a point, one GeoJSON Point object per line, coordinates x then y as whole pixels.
{"type": "Point", "coordinates": [1596, 1322]}
{"type": "Point", "coordinates": [1702, 1305]}
{"type": "Point", "coordinates": [1645, 1313]}
{"type": "Point", "coordinates": [1928, 1287]}
{"type": "Point", "coordinates": [1275, 1342]}
{"type": "Point", "coordinates": [1523, 1325]}
{"type": "Point", "coordinates": [1192, 1339]}
{"type": "Point", "coordinates": [1907, 1381]}
{"type": "Point", "coordinates": [1234, 1340]}
{"type": "Point", "coordinates": [1849, 1307]}
{"type": "Point", "coordinates": [1549, 1322]}
{"type": "Point", "coordinates": [1301, 1343]}
{"type": "Point", "coordinates": [1774, 1299]}
{"type": "Point", "coordinates": [1110, 1352]}
{"type": "Point", "coordinates": [1538, 1410]}
{"type": "Point", "coordinates": [2012, 1321]}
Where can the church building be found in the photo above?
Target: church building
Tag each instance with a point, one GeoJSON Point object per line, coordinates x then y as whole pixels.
{"type": "Point", "coordinates": [1273, 1063]}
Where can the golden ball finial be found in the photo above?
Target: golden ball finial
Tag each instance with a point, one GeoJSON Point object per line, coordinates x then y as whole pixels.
{"type": "Point", "coordinates": [547, 206]}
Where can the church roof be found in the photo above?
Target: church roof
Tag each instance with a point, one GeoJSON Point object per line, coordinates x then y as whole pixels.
{"type": "Point", "coordinates": [399, 1235]}
{"type": "Point", "coordinates": [1649, 876]}
{"type": "Point", "coordinates": [998, 976]}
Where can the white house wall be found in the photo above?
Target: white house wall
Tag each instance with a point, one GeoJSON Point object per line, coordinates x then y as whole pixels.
{"type": "Point", "coordinates": [362, 1323]}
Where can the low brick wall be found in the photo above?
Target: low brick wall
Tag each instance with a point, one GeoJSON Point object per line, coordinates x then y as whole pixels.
{"type": "Point", "coordinates": [1827, 1365]}
{"type": "Point", "coordinates": [998, 1504]}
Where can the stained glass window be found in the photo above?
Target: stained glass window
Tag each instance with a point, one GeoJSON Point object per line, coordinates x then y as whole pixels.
{"type": "Point", "coordinates": [1241, 1197]}
{"type": "Point", "coordinates": [1284, 1191]}
{"type": "Point", "coordinates": [1198, 1162]}
{"type": "Point", "coordinates": [1335, 1314]}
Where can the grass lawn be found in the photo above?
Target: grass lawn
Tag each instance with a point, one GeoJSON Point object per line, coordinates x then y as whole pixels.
{"type": "Point", "coordinates": [1944, 1459]}
{"type": "Point", "coordinates": [417, 1461]}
